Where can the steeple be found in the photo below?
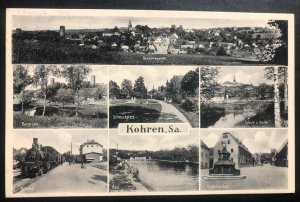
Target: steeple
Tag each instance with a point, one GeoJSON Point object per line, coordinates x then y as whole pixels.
{"type": "Point", "coordinates": [129, 25]}
{"type": "Point", "coordinates": [234, 79]}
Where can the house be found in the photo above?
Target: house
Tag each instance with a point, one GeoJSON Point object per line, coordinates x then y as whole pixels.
{"type": "Point", "coordinates": [187, 46]}
{"type": "Point", "coordinates": [239, 153]}
{"type": "Point", "coordinates": [125, 48]}
{"type": "Point", "coordinates": [92, 94]}
{"type": "Point", "coordinates": [281, 158]}
{"type": "Point", "coordinates": [257, 159]}
{"type": "Point", "coordinates": [204, 155]}
{"type": "Point", "coordinates": [91, 151]}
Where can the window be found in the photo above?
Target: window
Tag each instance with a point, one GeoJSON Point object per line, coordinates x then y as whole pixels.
{"type": "Point", "coordinates": [228, 142]}
{"type": "Point", "coordinates": [225, 135]}
{"type": "Point", "coordinates": [231, 150]}
{"type": "Point", "coordinates": [202, 154]}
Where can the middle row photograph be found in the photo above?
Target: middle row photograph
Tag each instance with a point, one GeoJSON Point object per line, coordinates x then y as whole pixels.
{"type": "Point", "coordinates": [99, 96]}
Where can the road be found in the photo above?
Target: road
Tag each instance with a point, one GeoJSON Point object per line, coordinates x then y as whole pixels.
{"type": "Point", "coordinates": [169, 113]}
{"type": "Point", "coordinates": [70, 179]}
{"type": "Point", "coordinates": [260, 177]}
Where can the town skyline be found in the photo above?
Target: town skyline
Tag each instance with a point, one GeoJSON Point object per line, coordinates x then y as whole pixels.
{"type": "Point", "coordinates": [245, 75]}
{"type": "Point", "coordinates": [35, 23]}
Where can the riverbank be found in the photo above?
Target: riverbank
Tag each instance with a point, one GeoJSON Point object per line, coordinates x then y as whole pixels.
{"type": "Point", "coordinates": [122, 180]}
{"type": "Point", "coordinates": [170, 161]}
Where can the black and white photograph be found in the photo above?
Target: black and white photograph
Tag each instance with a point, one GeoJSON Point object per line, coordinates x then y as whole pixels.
{"type": "Point", "coordinates": [244, 159]}
{"type": "Point", "coordinates": [243, 97]}
{"type": "Point", "coordinates": [153, 94]}
{"type": "Point", "coordinates": [65, 162]}
{"type": "Point", "coordinates": [149, 38]}
{"type": "Point", "coordinates": [60, 96]}
{"type": "Point", "coordinates": [153, 163]}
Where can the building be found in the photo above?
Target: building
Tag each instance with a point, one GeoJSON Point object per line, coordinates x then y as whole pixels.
{"type": "Point", "coordinates": [130, 28]}
{"type": "Point", "coordinates": [211, 157]}
{"type": "Point", "coordinates": [239, 153]}
{"type": "Point", "coordinates": [62, 31]}
{"type": "Point", "coordinates": [281, 158]}
{"type": "Point", "coordinates": [204, 155]}
{"type": "Point", "coordinates": [91, 151]}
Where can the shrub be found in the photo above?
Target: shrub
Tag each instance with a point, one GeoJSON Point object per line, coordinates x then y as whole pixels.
{"type": "Point", "coordinates": [187, 105]}
{"type": "Point", "coordinates": [221, 51]}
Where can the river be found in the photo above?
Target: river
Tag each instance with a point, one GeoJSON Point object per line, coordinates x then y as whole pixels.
{"type": "Point", "coordinates": [167, 176]}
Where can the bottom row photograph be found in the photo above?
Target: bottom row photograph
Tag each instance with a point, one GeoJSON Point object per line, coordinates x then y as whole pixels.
{"type": "Point", "coordinates": [99, 161]}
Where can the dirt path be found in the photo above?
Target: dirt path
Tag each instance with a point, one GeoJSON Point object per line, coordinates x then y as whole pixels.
{"type": "Point", "coordinates": [169, 113]}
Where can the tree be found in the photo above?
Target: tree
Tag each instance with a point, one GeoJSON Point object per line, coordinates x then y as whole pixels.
{"type": "Point", "coordinates": [278, 74]}
{"type": "Point", "coordinates": [139, 88]}
{"type": "Point", "coordinates": [21, 79]}
{"type": "Point", "coordinates": [221, 51]}
{"type": "Point", "coordinates": [126, 88]}
{"type": "Point", "coordinates": [208, 83]}
{"type": "Point", "coordinates": [190, 82]}
{"type": "Point", "coordinates": [40, 78]}
{"type": "Point", "coordinates": [173, 29]}
{"type": "Point", "coordinates": [75, 75]}
{"type": "Point", "coordinates": [114, 89]}
{"type": "Point", "coordinates": [278, 52]}
{"type": "Point", "coordinates": [64, 96]}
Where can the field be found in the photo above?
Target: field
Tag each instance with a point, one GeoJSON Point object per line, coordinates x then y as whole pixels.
{"type": "Point", "coordinates": [121, 111]}
{"type": "Point", "coordinates": [60, 53]}
{"type": "Point", "coordinates": [89, 116]}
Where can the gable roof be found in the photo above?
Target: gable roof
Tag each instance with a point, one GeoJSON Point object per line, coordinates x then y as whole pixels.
{"type": "Point", "coordinates": [88, 142]}
{"type": "Point", "coordinates": [203, 145]}
{"type": "Point", "coordinates": [239, 143]}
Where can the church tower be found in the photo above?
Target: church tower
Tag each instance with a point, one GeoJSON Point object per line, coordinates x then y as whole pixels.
{"type": "Point", "coordinates": [129, 26]}
{"type": "Point", "coordinates": [234, 80]}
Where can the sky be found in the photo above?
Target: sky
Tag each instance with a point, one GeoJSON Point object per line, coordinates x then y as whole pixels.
{"type": "Point", "coordinates": [244, 74]}
{"type": "Point", "coordinates": [59, 139]}
{"type": "Point", "coordinates": [152, 142]}
{"type": "Point", "coordinates": [256, 140]}
{"type": "Point", "coordinates": [98, 70]}
{"type": "Point", "coordinates": [93, 22]}
{"type": "Point", "coordinates": [153, 75]}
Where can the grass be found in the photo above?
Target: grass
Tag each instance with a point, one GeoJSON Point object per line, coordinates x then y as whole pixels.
{"type": "Point", "coordinates": [60, 53]}
{"type": "Point", "coordinates": [133, 112]}
{"type": "Point", "coordinates": [192, 117]}
{"type": "Point", "coordinates": [23, 121]}
{"type": "Point", "coordinates": [89, 116]}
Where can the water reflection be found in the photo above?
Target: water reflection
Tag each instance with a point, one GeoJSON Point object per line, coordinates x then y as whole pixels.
{"type": "Point", "coordinates": [167, 176]}
{"type": "Point", "coordinates": [232, 118]}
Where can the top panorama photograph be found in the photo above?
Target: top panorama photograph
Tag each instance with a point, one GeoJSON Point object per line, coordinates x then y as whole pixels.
{"type": "Point", "coordinates": [148, 40]}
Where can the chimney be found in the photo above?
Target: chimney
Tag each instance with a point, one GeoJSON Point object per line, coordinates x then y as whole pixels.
{"type": "Point", "coordinates": [62, 31]}
{"type": "Point", "coordinates": [93, 80]}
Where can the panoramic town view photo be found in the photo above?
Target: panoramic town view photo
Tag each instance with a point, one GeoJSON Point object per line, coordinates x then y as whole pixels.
{"type": "Point", "coordinates": [60, 96]}
{"type": "Point", "coordinates": [124, 39]}
{"type": "Point", "coordinates": [142, 163]}
{"type": "Point", "coordinates": [64, 162]}
{"type": "Point", "coordinates": [244, 159]}
{"type": "Point", "coordinates": [243, 97]}
{"type": "Point", "coordinates": [153, 94]}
